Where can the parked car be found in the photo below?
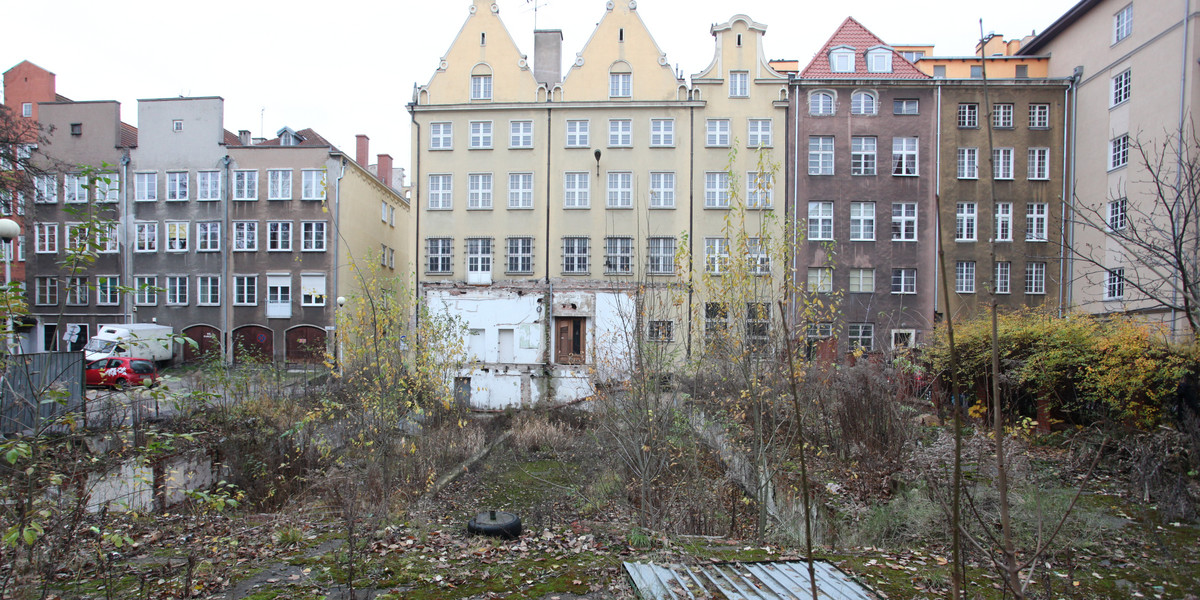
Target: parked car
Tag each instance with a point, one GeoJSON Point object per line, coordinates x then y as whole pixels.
{"type": "Point", "coordinates": [120, 372]}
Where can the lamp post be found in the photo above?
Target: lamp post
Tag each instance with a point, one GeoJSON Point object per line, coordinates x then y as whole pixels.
{"type": "Point", "coordinates": [9, 230]}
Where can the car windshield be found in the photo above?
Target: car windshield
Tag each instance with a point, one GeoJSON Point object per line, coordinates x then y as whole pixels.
{"type": "Point", "coordinates": [99, 345]}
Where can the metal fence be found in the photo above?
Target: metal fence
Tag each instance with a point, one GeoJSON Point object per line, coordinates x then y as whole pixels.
{"type": "Point", "coordinates": [38, 390]}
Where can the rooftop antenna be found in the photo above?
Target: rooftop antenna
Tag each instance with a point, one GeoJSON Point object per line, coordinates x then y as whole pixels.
{"type": "Point", "coordinates": [536, 3]}
{"type": "Point", "coordinates": [261, 128]}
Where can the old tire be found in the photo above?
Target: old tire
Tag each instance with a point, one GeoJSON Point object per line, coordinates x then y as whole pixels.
{"type": "Point", "coordinates": [495, 523]}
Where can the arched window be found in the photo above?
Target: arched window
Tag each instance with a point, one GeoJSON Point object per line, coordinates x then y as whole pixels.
{"type": "Point", "coordinates": [820, 103]}
{"type": "Point", "coordinates": [481, 82]}
{"type": "Point", "coordinates": [863, 103]}
{"type": "Point", "coordinates": [620, 80]}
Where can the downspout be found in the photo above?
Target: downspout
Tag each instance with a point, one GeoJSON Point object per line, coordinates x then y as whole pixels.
{"type": "Point", "coordinates": [337, 248]}
{"type": "Point", "coordinates": [1069, 206]}
{"type": "Point", "coordinates": [226, 318]}
{"type": "Point", "coordinates": [691, 221]}
{"type": "Point", "coordinates": [130, 239]}
{"type": "Point", "coordinates": [795, 233]}
{"type": "Point", "coordinates": [548, 303]}
{"type": "Point", "coordinates": [937, 192]}
{"type": "Point", "coordinates": [1183, 71]}
{"type": "Point", "coordinates": [415, 198]}
{"type": "Point", "coordinates": [1064, 251]}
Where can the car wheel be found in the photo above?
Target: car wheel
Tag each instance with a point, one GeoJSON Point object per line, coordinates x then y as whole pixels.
{"type": "Point", "coordinates": [121, 384]}
{"type": "Point", "coordinates": [495, 523]}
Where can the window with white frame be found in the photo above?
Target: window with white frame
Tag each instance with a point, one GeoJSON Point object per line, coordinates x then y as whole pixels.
{"type": "Point", "coordinates": [1035, 278]}
{"type": "Point", "coordinates": [662, 132]}
{"type": "Point", "coordinates": [717, 132]}
{"type": "Point", "coordinates": [1123, 23]}
{"type": "Point", "coordinates": [108, 187]}
{"type": "Point", "coordinates": [904, 221]}
{"type": "Point", "coordinates": [1118, 214]}
{"type": "Point", "coordinates": [904, 156]}
{"type": "Point", "coordinates": [245, 185]}
{"type": "Point", "coordinates": [820, 280]}
{"type": "Point", "coordinates": [904, 281]}
{"type": "Point", "coordinates": [820, 155]}
{"type": "Point", "coordinates": [76, 235]}
{"type": "Point", "coordinates": [965, 220]}
{"type": "Point", "coordinates": [661, 253]}
{"type": "Point", "coordinates": [904, 338]}
{"type": "Point", "coordinates": [75, 189]}
{"type": "Point", "coordinates": [312, 236]}
{"type": "Point", "coordinates": [481, 87]}
{"type": "Point", "coordinates": [968, 115]}
{"type": "Point", "coordinates": [862, 221]}
{"type": "Point", "coordinates": [1004, 226]}
{"type": "Point", "coordinates": [177, 185]}
{"type": "Point", "coordinates": [208, 236]}
{"type": "Point", "coordinates": [1118, 154]}
{"type": "Point", "coordinates": [716, 255]}
{"type": "Point", "coordinates": [739, 84]}
{"type": "Point", "coordinates": [77, 291]}
{"type": "Point", "coordinates": [618, 255]}
{"type": "Point", "coordinates": [441, 193]}
{"type": "Point", "coordinates": [1114, 284]}
{"type": "Point", "coordinates": [1039, 116]}
{"type": "Point", "coordinates": [964, 277]}
{"type": "Point", "coordinates": [245, 236]}
{"type": "Point", "coordinates": [620, 85]}
{"type": "Point", "coordinates": [968, 163]}
{"type": "Point", "coordinates": [279, 184]}
{"type": "Point", "coordinates": [312, 289]}
{"type": "Point", "coordinates": [312, 184]}
{"type": "Point", "coordinates": [1039, 163]}
{"type": "Point", "coordinates": [245, 290]}
{"type": "Point", "coordinates": [146, 290]}
{"type": "Point", "coordinates": [479, 255]}
{"type": "Point", "coordinates": [820, 104]}
{"type": "Point", "coordinates": [758, 259]}
{"type": "Point", "coordinates": [659, 331]}
{"type": "Point", "coordinates": [862, 155]}
{"type": "Point", "coordinates": [758, 134]}
{"type": "Point", "coordinates": [208, 185]}
{"type": "Point", "coordinates": [820, 220]}
{"type": "Point", "coordinates": [45, 189]}
{"type": "Point", "coordinates": [620, 189]}
{"type": "Point", "coordinates": [520, 190]}
{"type": "Point", "coordinates": [520, 255]}
{"type": "Point", "coordinates": [145, 187]}
{"type": "Point", "coordinates": [879, 60]}
{"type": "Point", "coordinates": [27, 109]}
{"type": "Point", "coordinates": [1002, 116]}
{"type": "Point", "coordinates": [577, 134]}
{"type": "Point", "coordinates": [841, 60]}
{"type": "Point", "coordinates": [1002, 163]}
{"type": "Point", "coordinates": [1003, 282]}
{"type": "Point", "coordinates": [208, 288]}
{"type": "Point", "coordinates": [145, 236]}
{"type": "Point", "coordinates": [818, 331]}
{"type": "Point", "coordinates": [45, 291]}
{"type": "Point", "coordinates": [279, 236]}
{"type": "Point", "coordinates": [177, 236]}
{"type": "Point", "coordinates": [861, 335]}
{"type": "Point", "coordinates": [439, 255]}
{"type": "Point", "coordinates": [1035, 221]}
{"type": "Point", "coordinates": [863, 103]}
{"type": "Point", "coordinates": [906, 106]}
{"type": "Point", "coordinates": [716, 321]}
{"type": "Point", "coordinates": [759, 189]}
{"type": "Point", "coordinates": [479, 191]}
{"type": "Point", "coordinates": [1121, 86]}
{"type": "Point", "coordinates": [620, 132]}
{"type": "Point", "coordinates": [481, 135]}
{"type": "Point", "coordinates": [575, 255]}
{"type": "Point", "coordinates": [279, 296]}
{"type": "Point", "coordinates": [576, 189]}
{"type": "Point", "coordinates": [107, 241]}
{"type": "Point", "coordinates": [177, 290]}
{"type": "Point", "coordinates": [862, 281]}
{"type": "Point", "coordinates": [716, 189]}
{"type": "Point", "coordinates": [662, 189]}
{"type": "Point", "coordinates": [520, 134]}
{"type": "Point", "coordinates": [441, 136]}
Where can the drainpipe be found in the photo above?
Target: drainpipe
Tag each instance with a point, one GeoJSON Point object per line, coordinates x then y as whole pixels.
{"type": "Point", "coordinates": [1064, 252]}
{"type": "Point", "coordinates": [415, 198]}
{"type": "Point", "coordinates": [1069, 184]}
{"type": "Point", "coordinates": [794, 95]}
{"type": "Point", "coordinates": [1183, 71]}
{"type": "Point", "coordinates": [226, 305]}
{"type": "Point", "coordinates": [337, 253]}
{"type": "Point", "coordinates": [130, 238]}
{"type": "Point", "coordinates": [937, 192]}
{"type": "Point", "coordinates": [548, 304]}
{"type": "Point", "coordinates": [691, 220]}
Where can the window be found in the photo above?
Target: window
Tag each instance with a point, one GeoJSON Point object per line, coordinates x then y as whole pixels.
{"type": "Point", "coordinates": [46, 291]}
{"type": "Point", "coordinates": [520, 255]}
{"type": "Point", "coordinates": [45, 189]}
{"type": "Point", "coordinates": [279, 184]}
{"type": "Point", "coordinates": [620, 132]}
{"type": "Point", "coordinates": [863, 103]}
{"type": "Point", "coordinates": [1039, 116]}
{"type": "Point", "coordinates": [209, 290]}
{"type": "Point", "coordinates": [758, 260]}
{"type": "Point", "coordinates": [964, 277]}
{"type": "Point", "coordinates": [905, 106]}
{"type": "Point", "coordinates": [1039, 163]}
{"type": "Point", "coordinates": [312, 184]}
{"type": "Point", "coordinates": [520, 134]}
{"type": "Point", "coordinates": [758, 134]}
{"type": "Point", "coordinates": [1121, 87]}
{"type": "Point", "coordinates": [1003, 271]}
{"type": "Point", "coordinates": [659, 331]}
{"type": "Point", "coordinates": [904, 281]}
{"type": "Point", "coordinates": [279, 236]}
{"type": "Point", "coordinates": [759, 190]}
{"type": "Point", "coordinates": [575, 255]}
{"type": "Point", "coordinates": [716, 321]}
{"type": "Point", "coordinates": [312, 236]}
{"type": "Point", "coordinates": [479, 260]}
{"type": "Point", "coordinates": [739, 86]}
{"type": "Point", "coordinates": [145, 187]}
{"type": "Point", "coordinates": [481, 135]}
{"type": "Point", "coordinates": [77, 291]}
{"type": "Point", "coordinates": [177, 185]}
{"type": "Point", "coordinates": [479, 191]}
{"type": "Point", "coordinates": [662, 132]}
{"type": "Point", "coordinates": [620, 85]}
{"type": "Point", "coordinates": [1002, 163]}
{"type": "Point", "coordinates": [441, 136]}
{"type": "Point", "coordinates": [904, 221]}
{"type": "Point", "coordinates": [820, 155]}
{"type": "Point", "coordinates": [939, 71]}
{"type": "Point", "coordinates": [245, 290]}
{"type": "Point", "coordinates": [145, 290]}
{"type": "Point", "coordinates": [964, 222]}
{"type": "Point", "coordinates": [1114, 284]}
{"type": "Point", "coordinates": [177, 290]}
{"type": "Point", "coordinates": [815, 332]}
{"type": "Point", "coordinates": [76, 128]}
{"type": "Point", "coordinates": [481, 87]}
{"type": "Point", "coordinates": [862, 221]}
{"type": "Point", "coordinates": [976, 71]}
{"type": "Point", "coordinates": [717, 132]}
{"type": "Point", "coordinates": [968, 115]}
{"type": "Point", "coordinates": [208, 236]}
{"type": "Point", "coordinates": [862, 155]}
{"type": "Point", "coordinates": [245, 185]}
{"type": "Point", "coordinates": [1035, 222]}
{"type": "Point", "coordinates": [75, 189]}
{"type": "Point", "coordinates": [438, 253]}
{"type": "Point", "coordinates": [758, 325]}
{"type": "Point", "coordinates": [576, 190]}
{"type": "Point", "coordinates": [208, 185]}
{"type": "Point", "coordinates": [177, 125]}
{"type": "Point", "coordinates": [662, 256]}
{"type": "Point", "coordinates": [716, 255]}
{"type": "Point", "coordinates": [879, 60]}
{"type": "Point", "coordinates": [861, 335]}
{"type": "Point", "coordinates": [1022, 72]}
{"type": "Point", "coordinates": [1117, 211]}
{"type": "Point", "coordinates": [1002, 116]}
{"type": "Point", "coordinates": [820, 280]}
{"type": "Point", "coordinates": [177, 236]}
{"type": "Point", "coordinates": [1004, 213]}
{"type": "Point", "coordinates": [76, 236]}
{"type": "Point", "coordinates": [279, 296]}
{"type": "Point", "coordinates": [1123, 23]}
{"type": "Point", "coordinates": [841, 60]}
{"type": "Point", "coordinates": [577, 134]}
{"type": "Point", "coordinates": [245, 236]}
{"type": "Point", "coordinates": [1035, 278]}
{"type": "Point", "coordinates": [904, 156]}
{"type": "Point", "coordinates": [618, 255]}
{"type": "Point", "coordinates": [903, 338]}
{"type": "Point", "coordinates": [1118, 155]}
{"type": "Point", "coordinates": [716, 189]}
{"type": "Point", "coordinates": [662, 190]}
{"type": "Point", "coordinates": [145, 237]}
{"type": "Point", "coordinates": [820, 104]}
{"type": "Point", "coordinates": [520, 190]}
{"type": "Point", "coordinates": [968, 163]}
{"type": "Point", "coordinates": [441, 192]}
{"type": "Point", "coordinates": [862, 281]}
{"type": "Point", "coordinates": [27, 109]}
{"type": "Point", "coordinates": [820, 220]}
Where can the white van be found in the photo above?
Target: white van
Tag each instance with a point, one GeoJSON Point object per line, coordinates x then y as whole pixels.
{"type": "Point", "coordinates": [136, 340]}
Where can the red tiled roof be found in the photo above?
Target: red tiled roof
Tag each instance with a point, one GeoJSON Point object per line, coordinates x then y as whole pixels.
{"type": "Point", "coordinates": [311, 138]}
{"type": "Point", "coordinates": [852, 33]}
{"type": "Point", "coordinates": [231, 139]}
{"type": "Point", "coordinates": [129, 135]}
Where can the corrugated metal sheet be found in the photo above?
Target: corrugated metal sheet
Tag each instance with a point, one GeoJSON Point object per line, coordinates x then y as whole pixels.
{"type": "Point", "coordinates": [40, 389]}
{"type": "Point", "coordinates": [743, 580]}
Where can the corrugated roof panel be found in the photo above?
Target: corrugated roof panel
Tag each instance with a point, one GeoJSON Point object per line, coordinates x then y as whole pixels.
{"type": "Point", "coordinates": [784, 580]}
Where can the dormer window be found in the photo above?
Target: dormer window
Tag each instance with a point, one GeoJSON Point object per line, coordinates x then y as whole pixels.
{"type": "Point", "coordinates": [879, 60]}
{"type": "Point", "coordinates": [287, 137]}
{"type": "Point", "coordinates": [841, 59]}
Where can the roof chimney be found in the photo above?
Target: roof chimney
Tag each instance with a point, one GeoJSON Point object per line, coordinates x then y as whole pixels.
{"type": "Point", "coordinates": [547, 56]}
{"type": "Point", "coordinates": [384, 170]}
{"type": "Point", "coordinates": [244, 137]}
{"type": "Point", "coordinates": [361, 153]}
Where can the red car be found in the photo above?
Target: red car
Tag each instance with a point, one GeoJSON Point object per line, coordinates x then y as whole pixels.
{"type": "Point", "coordinates": [120, 372]}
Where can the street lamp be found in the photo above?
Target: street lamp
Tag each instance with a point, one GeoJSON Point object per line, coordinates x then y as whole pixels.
{"type": "Point", "coordinates": [9, 230]}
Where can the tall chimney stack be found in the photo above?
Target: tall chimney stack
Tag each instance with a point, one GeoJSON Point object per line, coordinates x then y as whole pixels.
{"type": "Point", "coordinates": [244, 137]}
{"type": "Point", "coordinates": [547, 56]}
{"type": "Point", "coordinates": [384, 169]}
{"type": "Point", "coordinates": [362, 152]}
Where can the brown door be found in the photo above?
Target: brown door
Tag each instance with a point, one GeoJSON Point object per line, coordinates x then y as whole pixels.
{"type": "Point", "coordinates": [569, 340]}
{"type": "Point", "coordinates": [208, 343]}
{"type": "Point", "coordinates": [306, 344]}
{"type": "Point", "coordinates": [253, 343]}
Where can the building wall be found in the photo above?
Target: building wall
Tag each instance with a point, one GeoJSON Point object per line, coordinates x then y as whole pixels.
{"type": "Point", "coordinates": [998, 67]}
{"type": "Point", "coordinates": [362, 234]}
{"type": "Point", "coordinates": [27, 82]}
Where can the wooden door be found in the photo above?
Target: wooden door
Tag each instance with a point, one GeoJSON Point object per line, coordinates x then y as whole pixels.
{"type": "Point", "coordinates": [569, 340]}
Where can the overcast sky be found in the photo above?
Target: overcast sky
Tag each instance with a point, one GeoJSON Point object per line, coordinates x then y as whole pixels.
{"type": "Point", "coordinates": [348, 67]}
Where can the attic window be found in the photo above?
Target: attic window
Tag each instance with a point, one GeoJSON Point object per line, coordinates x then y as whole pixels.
{"type": "Point", "coordinates": [621, 34]}
{"type": "Point", "coordinates": [177, 125]}
{"type": "Point", "coordinates": [483, 39]}
{"type": "Point", "coordinates": [739, 42]}
{"type": "Point", "coordinates": [287, 139]}
{"type": "Point", "coordinates": [879, 60]}
{"type": "Point", "coordinates": [841, 60]}
{"type": "Point", "coordinates": [76, 128]}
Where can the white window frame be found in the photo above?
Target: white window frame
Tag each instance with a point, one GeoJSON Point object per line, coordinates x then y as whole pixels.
{"type": "Point", "coordinates": [279, 296]}
{"type": "Point", "coordinates": [145, 290]}
{"type": "Point", "coordinates": [1004, 222]}
{"type": "Point", "coordinates": [208, 290]}
{"type": "Point", "coordinates": [313, 290]}
{"type": "Point", "coordinates": [662, 189]}
{"type": "Point", "coordinates": [879, 60]}
{"type": "Point", "coordinates": [716, 255]}
{"type": "Point", "coordinates": [577, 189]}
{"type": "Point", "coordinates": [716, 189]}
{"type": "Point", "coordinates": [618, 255]}
{"type": "Point", "coordinates": [861, 335]}
{"type": "Point", "coordinates": [904, 281]}
{"type": "Point", "coordinates": [820, 155]}
{"type": "Point", "coordinates": [177, 292]}
{"type": "Point", "coordinates": [208, 236]}
{"type": "Point", "coordinates": [314, 236]}
{"type": "Point", "coordinates": [481, 87]}
{"type": "Point", "coordinates": [1036, 221]}
{"type": "Point", "coordinates": [820, 221]}
{"type": "Point", "coordinates": [758, 133]}
{"type": "Point", "coordinates": [620, 189]}
{"type": "Point", "coordinates": [760, 189]}
{"type": "Point", "coordinates": [862, 281]}
{"type": "Point", "coordinates": [1118, 214]}
{"type": "Point", "coordinates": [108, 291]}
{"type": "Point", "coordinates": [441, 135]}
{"type": "Point", "coordinates": [964, 277]}
{"type": "Point", "coordinates": [245, 290]}
{"type": "Point", "coordinates": [75, 190]}
{"type": "Point", "coordinates": [661, 255]}
{"type": "Point", "coordinates": [441, 191]}
{"type": "Point", "coordinates": [480, 135]}
{"type": "Point", "coordinates": [968, 163]}
{"type": "Point", "coordinates": [1039, 164]}
{"type": "Point", "coordinates": [245, 184]}
{"type": "Point", "coordinates": [245, 236]}
{"type": "Point", "coordinates": [1118, 152]}
{"type": "Point", "coordinates": [863, 103]}
{"type": "Point", "coordinates": [177, 234]}
{"type": "Point", "coordinates": [906, 106]}
{"type": "Point", "coordinates": [520, 191]}
{"type": "Point", "coordinates": [1035, 278]}
{"type": "Point", "coordinates": [45, 292]}
{"type": "Point", "coordinates": [662, 133]}
{"type": "Point", "coordinates": [279, 184]}
{"type": "Point", "coordinates": [862, 221]}
{"type": "Point", "coordinates": [177, 185]}
{"type": "Point", "coordinates": [820, 280]}
{"type": "Point", "coordinates": [966, 222]}
{"type": "Point", "coordinates": [716, 133]}
{"type": "Point", "coordinates": [279, 236]}
{"type": "Point", "coordinates": [739, 84]}
{"type": "Point", "coordinates": [841, 60]}
{"type": "Point", "coordinates": [479, 191]}
{"type": "Point", "coordinates": [519, 253]}
{"type": "Point", "coordinates": [1002, 115]}
{"type": "Point", "coordinates": [1122, 86]}
{"type": "Point", "coordinates": [968, 115]}
{"type": "Point", "coordinates": [312, 184]}
{"type": "Point", "coordinates": [145, 187]}
{"type": "Point", "coordinates": [1003, 281]}
{"type": "Point", "coordinates": [1123, 23]}
{"type": "Point", "coordinates": [145, 234]}
{"type": "Point", "coordinates": [620, 133]}
{"type": "Point", "coordinates": [439, 255]}
{"type": "Point", "coordinates": [578, 132]}
{"type": "Point", "coordinates": [46, 189]}
{"type": "Point", "coordinates": [905, 217]}
{"type": "Point", "coordinates": [822, 103]}
{"type": "Point", "coordinates": [620, 85]}
{"type": "Point", "coordinates": [1114, 283]}
{"type": "Point", "coordinates": [576, 255]}
{"type": "Point", "coordinates": [479, 258]}
{"type": "Point", "coordinates": [520, 134]}
{"type": "Point", "coordinates": [906, 150]}
{"type": "Point", "coordinates": [1002, 163]}
{"type": "Point", "coordinates": [1039, 116]}
{"type": "Point", "coordinates": [206, 188]}
{"type": "Point", "coordinates": [863, 160]}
